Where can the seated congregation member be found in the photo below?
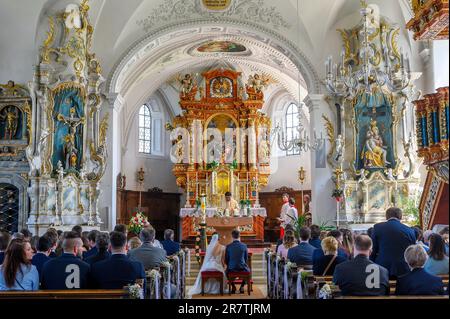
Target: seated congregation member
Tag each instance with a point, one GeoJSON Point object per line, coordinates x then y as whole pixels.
{"type": "Point", "coordinates": [34, 242]}
{"type": "Point", "coordinates": [347, 242]}
{"type": "Point", "coordinates": [4, 241]}
{"type": "Point", "coordinates": [93, 250]}
{"type": "Point", "coordinates": [44, 248]}
{"type": "Point", "coordinates": [78, 229]}
{"type": "Point", "coordinates": [236, 258]}
{"type": "Point", "coordinates": [121, 228]}
{"type": "Point", "coordinates": [134, 242]}
{"type": "Point", "coordinates": [101, 244]}
{"type": "Point", "coordinates": [288, 227]}
{"type": "Point", "coordinates": [289, 241]}
{"type": "Point", "coordinates": [156, 242]}
{"type": "Point", "coordinates": [149, 255]}
{"type": "Point", "coordinates": [437, 263]}
{"type": "Point", "coordinates": [27, 235]}
{"type": "Point", "coordinates": [419, 237]}
{"type": "Point", "coordinates": [353, 275]}
{"type": "Point", "coordinates": [445, 235]}
{"type": "Point", "coordinates": [53, 236]}
{"type": "Point", "coordinates": [390, 239]}
{"type": "Point", "coordinates": [118, 270]}
{"type": "Point", "coordinates": [302, 254]}
{"type": "Point", "coordinates": [67, 271]}
{"type": "Point", "coordinates": [17, 272]}
{"type": "Point", "coordinates": [336, 234]}
{"type": "Point", "coordinates": [418, 281]}
{"type": "Point", "coordinates": [170, 246]}
{"type": "Point", "coordinates": [325, 265]}
{"type": "Point", "coordinates": [315, 236]}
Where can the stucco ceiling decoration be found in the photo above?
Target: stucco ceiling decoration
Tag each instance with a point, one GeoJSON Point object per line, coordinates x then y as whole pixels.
{"type": "Point", "coordinates": [253, 10]}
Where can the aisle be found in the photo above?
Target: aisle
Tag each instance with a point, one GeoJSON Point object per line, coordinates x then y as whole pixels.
{"type": "Point", "coordinates": [258, 275]}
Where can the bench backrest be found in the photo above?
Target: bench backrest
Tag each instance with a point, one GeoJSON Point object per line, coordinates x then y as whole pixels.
{"type": "Point", "coordinates": [67, 294]}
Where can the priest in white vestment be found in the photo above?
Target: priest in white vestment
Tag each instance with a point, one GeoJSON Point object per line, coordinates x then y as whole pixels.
{"type": "Point", "coordinates": [288, 213]}
{"type": "Point", "coordinates": [231, 204]}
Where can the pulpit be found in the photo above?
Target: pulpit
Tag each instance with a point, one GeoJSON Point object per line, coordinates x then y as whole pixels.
{"type": "Point", "coordinates": [224, 226]}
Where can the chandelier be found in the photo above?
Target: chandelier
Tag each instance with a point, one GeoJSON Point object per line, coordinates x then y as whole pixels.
{"type": "Point", "coordinates": [301, 142]}
{"type": "Point", "coordinates": [342, 81]}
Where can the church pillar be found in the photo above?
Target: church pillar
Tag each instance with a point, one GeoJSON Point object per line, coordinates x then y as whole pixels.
{"type": "Point", "coordinates": [323, 206]}
{"type": "Point", "coordinates": [107, 198]}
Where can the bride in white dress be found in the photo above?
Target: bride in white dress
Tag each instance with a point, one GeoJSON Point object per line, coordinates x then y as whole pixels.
{"type": "Point", "coordinates": [214, 261]}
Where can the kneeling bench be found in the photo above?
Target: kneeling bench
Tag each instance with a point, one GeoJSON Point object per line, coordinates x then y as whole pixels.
{"type": "Point", "coordinates": [215, 275]}
{"type": "Point", "coordinates": [239, 277]}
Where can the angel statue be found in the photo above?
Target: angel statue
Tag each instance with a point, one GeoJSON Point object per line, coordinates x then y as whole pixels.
{"type": "Point", "coordinates": [362, 175]}
{"type": "Point", "coordinates": [10, 117]}
{"type": "Point", "coordinates": [188, 86]}
{"type": "Point", "coordinates": [60, 171]}
{"type": "Point", "coordinates": [257, 83]}
{"type": "Point", "coordinates": [339, 149]}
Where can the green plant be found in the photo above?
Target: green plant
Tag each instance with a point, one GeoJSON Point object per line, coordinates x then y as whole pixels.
{"type": "Point", "coordinates": [233, 165]}
{"type": "Point", "coordinates": [212, 166]}
{"type": "Point", "coordinates": [325, 226]}
{"type": "Point", "coordinates": [410, 211]}
{"type": "Point", "coordinates": [337, 193]}
{"type": "Point", "coordinates": [299, 222]}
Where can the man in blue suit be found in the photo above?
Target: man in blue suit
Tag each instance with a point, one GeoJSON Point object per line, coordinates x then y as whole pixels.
{"type": "Point", "coordinates": [360, 276]}
{"type": "Point", "coordinates": [318, 253]}
{"type": "Point", "coordinates": [4, 241]}
{"type": "Point", "coordinates": [117, 271]}
{"type": "Point", "coordinates": [302, 254]}
{"type": "Point", "coordinates": [101, 243]}
{"type": "Point", "coordinates": [418, 281]}
{"type": "Point", "coordinates": [170, 246]}
{"type": "Point", "coordinates": [236, 258]}
{"type": "Point", "coordinates": [91, 239]}
{"type": "Point", "coordinates": [67, 271]}
{"type": "Point", "coordinates": [315, 236]}
{"type": "Point", "coordinates": [390, 240]}
{"type": "Point", "coordinates": [44, 248]}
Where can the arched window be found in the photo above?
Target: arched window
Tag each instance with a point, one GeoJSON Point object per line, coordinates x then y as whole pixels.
{"type": "Point", "coordinates": [145, 130]}
{"type": "Point", "coordinates": [292, 123]}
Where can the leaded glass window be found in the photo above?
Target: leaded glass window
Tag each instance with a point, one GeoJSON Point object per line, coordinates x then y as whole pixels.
{"type": "Point", "coordinates": [145, 130]}
{"type": "Point", "coordinates": [292, 124]}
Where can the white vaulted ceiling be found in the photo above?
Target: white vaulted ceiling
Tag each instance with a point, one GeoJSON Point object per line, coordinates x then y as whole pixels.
{"type": "Point", "coordinates": [143, 44]}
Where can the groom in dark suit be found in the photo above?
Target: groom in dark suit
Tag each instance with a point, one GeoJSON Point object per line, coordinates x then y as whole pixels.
{"type": "Point", "coordinates": [236, 257]}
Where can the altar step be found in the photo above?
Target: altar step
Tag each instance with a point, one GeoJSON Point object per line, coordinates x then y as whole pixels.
{"type": "Point", "coordinates": [258, 269]}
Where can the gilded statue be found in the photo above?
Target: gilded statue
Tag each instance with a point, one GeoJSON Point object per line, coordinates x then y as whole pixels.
{"type": "Point", "coordinates": [188, 87]}
{"type": "Point", "coordinates": [257, 82]}
{"type": "Point", "coordinates": [11, 118]}
{"type": "Point", "coordinates": [11, 89]}
{"type": "Point", "coordinates": [70, 151]}
{"type": "Point", "coordinates": [374, 152]}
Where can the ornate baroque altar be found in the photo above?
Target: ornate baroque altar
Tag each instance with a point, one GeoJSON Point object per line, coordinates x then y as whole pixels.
{"type": "Point", "coordinates": [221, 144]}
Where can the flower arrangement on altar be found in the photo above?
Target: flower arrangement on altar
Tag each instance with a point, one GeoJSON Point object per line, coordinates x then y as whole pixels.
{"type": "Point", "coordinates": [137, 223]}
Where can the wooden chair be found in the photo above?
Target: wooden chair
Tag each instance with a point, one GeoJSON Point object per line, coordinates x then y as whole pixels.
{"type": "Point", "coordinates": [214, 275]}
{"type": "Point", "coordinates": [238, 277]}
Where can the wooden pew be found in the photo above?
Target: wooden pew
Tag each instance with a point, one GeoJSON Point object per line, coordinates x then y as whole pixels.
{"type": "Point", "coordinates": [67, 294]}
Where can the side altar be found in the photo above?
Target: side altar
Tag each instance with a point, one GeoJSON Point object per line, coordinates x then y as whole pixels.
{"type": "Point", "coordinates": [221, 144]}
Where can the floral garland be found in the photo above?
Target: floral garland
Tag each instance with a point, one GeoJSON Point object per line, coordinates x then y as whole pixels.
{"type": "Point", "coordinates": [135, 291]}
{"type": "Point", "coordinates": [197, 248]}
{"type": "Point", "coordinates": [137, 223]}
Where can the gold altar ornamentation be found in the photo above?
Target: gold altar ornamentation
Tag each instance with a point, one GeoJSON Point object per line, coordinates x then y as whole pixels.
{"type": "Point", "coordinates": [430, 21]}
{"type": "Point", "coordinates": [103, 129]}
{"type": "Point", "coordinates": [10, 117]}
{"type": "Point", "coordinates": [216, 5]}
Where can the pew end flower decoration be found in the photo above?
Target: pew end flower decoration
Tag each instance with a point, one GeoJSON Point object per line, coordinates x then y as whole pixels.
{"type": "Point", "coordinates": [135, 291]}
{"type": "Point", "coordinates": [137, 223]}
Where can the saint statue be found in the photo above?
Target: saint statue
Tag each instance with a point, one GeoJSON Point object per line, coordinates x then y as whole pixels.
{"type": "Point", "coordinates": [339, 149]}
{"type": "Point", "coordinates": [187, 85]}
{"type": "Point", "coordinates": [11, 118]}
{"type": "Point", "coordinates": [72, 17]}
{"type": "Point", "coordinates": [264, 152]}
{"type": "Point", "coordinates": [70, 151]}
{"type": "Point", "coordinates": [257, 83]}
{"type": "Point", "coordinates": [374, 152]}
{"type": "Point", "coordinates": [179, 150]}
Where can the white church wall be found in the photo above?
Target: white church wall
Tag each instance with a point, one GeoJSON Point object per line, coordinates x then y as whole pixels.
{"type": "Point", "coordinates": [284, 172]}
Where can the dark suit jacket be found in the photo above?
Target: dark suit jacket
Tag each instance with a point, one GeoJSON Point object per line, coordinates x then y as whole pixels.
{"type": "Point", "coordinates": [91, 252]}
{"type": "Point", "coordinates": [57, 270]}
{"type": "Point", "coordinates": [53, 255]}
{"type": "Point", "coordinates": [419, 282]}
{"type": "Point", "coordinates": [39, 260]}
{"type": "Point", "coordinates": [101, 255]}
{"type": "Point", "coordinates": [302, 254]}
{"type": "Point", "coordinates": [351, 278]}
{"type": "Point", "coordinates": [236, 256]}
{"type": "Point", "coordinates": [2, 256]}
{"type": "Point", "coordinates": [321, 263]}
{"type": "Point", "coordinates": [171, 247]}
{"type": "Point", "coordinates": [116, 272]}
{"type": "Point", "coordinates": [390, 240]}
{"type": "Point", "coordinates": [316, 242]}
{"type": "Point", "coordinates": [148, 255]}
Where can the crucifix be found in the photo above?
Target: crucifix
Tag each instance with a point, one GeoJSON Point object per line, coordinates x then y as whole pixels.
{"type": "Point", "coordinates": [70, 149]}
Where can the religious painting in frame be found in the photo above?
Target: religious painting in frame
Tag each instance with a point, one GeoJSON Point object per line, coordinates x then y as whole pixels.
{"type": "Point", "coordinates": [216, 5]}
{"type": "Point", "coordinates": [221, 47]}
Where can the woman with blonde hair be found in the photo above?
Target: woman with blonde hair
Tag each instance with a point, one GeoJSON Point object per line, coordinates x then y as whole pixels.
{"type": "Point", "coordinates": [134, 242]}
{"type": "Point", "coordinates": [289, 241]}
{"type": "Point", "coordinates": [325, 264]}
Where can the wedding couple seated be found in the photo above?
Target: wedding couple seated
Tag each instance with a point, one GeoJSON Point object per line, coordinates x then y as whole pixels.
{"type": "Point", "coordinates": [221, 263]}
